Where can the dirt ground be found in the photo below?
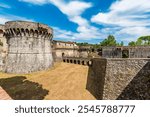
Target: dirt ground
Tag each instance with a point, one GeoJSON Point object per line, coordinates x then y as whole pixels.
{"type": "Point", "coordinates": [64, 81]}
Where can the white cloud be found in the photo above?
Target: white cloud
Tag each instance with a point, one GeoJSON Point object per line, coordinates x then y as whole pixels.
{"type": "Point", "coordinates": [131, 16]}
{"type": "Point", "coordinates": [73, 9]}
{"type": "Point", "coordinates": [135, 31]}
{"type": "Point", "coordinates": [126, 19]}
{"type": "Point", "coordinates": [83, 33]}
{"type": "Point", "coordinates": [36, 2]}
{"type": "Point", "coordinates": [126, 13]}
{"type": "Point", "coordinates": [63, 34]}
{"type": "Point", "coordinates": [5, 18]}
{"type": "Point", "coordinates": [2, 5]}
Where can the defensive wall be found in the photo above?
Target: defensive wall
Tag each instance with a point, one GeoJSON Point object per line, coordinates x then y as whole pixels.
{"type": "Point", "coordinates": [68, 49]}
{"type": "Point", "coordinates": [64, 49]}
{"type": "Point", "coordinates": [119, 78]}
{"type": "Point", "coordinates": [126, 51]}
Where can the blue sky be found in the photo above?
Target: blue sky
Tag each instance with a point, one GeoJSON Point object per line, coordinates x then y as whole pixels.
{"type": "Point", "coordinates": [83, 20]}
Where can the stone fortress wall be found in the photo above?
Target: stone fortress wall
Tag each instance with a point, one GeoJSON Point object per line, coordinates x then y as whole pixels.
{"type": "Point", "coordinates": [29, 47]}
{"type": "Point", "coordinates": [119, 78]}
{"type": "Point", "coordinates": [63, 49]}
{"type": "Point", "coordinates": [126, 52]}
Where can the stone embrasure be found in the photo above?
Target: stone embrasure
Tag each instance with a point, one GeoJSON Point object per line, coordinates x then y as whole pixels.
{"type": "Point", "coordinates": [29, 47]}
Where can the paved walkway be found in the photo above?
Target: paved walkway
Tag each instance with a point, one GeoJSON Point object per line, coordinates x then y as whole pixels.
{"type": "Point", "coordinates": [4, 95]}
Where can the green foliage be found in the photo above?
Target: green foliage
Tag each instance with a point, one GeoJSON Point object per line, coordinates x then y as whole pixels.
{"type": "Point", "coordinates": [1, 43]}
{"type": "Point", "coordinates": [144, 40]}
{"type": "Point", "coordinates": [122, 43]}
{"type": "Point", "coordinates": [139, 42]}
{"type": "Point", "coordinates": [110, 41]}
{"type": "Point", "coordinates": [132, 43]}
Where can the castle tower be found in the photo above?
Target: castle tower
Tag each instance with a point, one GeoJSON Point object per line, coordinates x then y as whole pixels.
{"type": "Point", "coordinates": [3, 47]}
{"type": "Point", "coordinates": [1, 36]}
{"type": "Point", "coordinates": [29, 47]}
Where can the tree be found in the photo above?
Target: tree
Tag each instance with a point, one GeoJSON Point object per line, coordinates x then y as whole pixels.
{"type": "Point", "coordinates": [83, 44]}
{"type": "Point", "coordinates": [110, 41]}
{"type": "Point", "coordinates": [139, 42]}
{"type": "Point", "coordinates": [144, 40]}
{"type": "Point", "coordinates": [122, 43]}
{"type": "Point", "coordinates": [132, 43]}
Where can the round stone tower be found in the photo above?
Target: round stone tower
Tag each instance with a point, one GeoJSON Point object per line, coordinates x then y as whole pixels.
{"type": "Point", "coordinates": [2, 37]}
{"type": "Point", "coordinates": [2, 27]}
{"type": "Point", "coordinates": [3, 47]}
{"type": "Point", "coordinates": [29, 47]}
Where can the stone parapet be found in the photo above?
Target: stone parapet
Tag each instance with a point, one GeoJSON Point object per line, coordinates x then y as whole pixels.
{"type": "Point", "coordinates": [30, 29]}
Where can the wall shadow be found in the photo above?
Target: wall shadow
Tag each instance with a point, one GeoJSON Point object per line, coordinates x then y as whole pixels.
{"type": "Point", "coordinates": [96, 78]}
{"type": "Point", "coordinates": [139, 87]}
{"type": "Point", "coordinates": [19, 88]}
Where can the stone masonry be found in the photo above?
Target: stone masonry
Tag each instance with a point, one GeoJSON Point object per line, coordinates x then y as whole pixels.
{"type": "Point", "coordinates": [29, 47]}
{"type": "Point", "coordinates": [119, 79]}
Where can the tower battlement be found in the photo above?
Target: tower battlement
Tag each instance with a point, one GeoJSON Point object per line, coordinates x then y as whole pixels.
{"type": "Point", "coordinates": [29, 29]}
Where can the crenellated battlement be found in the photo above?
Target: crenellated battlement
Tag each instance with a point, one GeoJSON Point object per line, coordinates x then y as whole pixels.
{"type": "Point", "coordinates": [29, 29]}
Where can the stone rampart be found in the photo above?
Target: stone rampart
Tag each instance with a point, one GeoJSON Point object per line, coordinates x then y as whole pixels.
{"type": "Point", "coordinates": [119, 78]}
